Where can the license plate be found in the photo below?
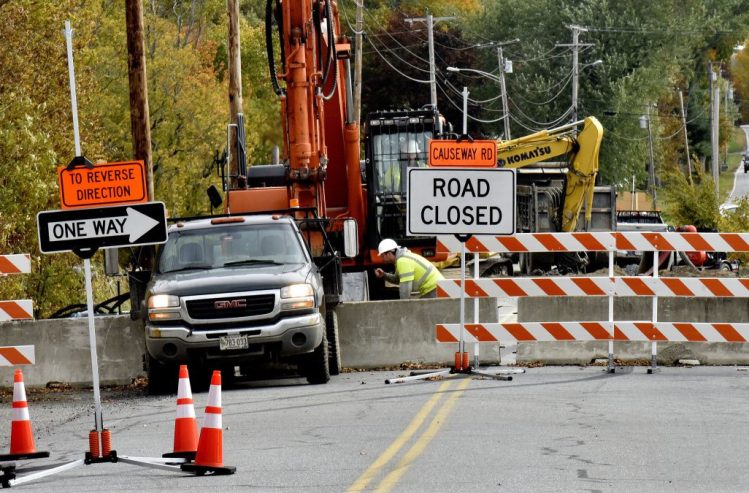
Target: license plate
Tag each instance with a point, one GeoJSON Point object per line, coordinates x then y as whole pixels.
{"type": "Point", "coordinates": [227, 343]}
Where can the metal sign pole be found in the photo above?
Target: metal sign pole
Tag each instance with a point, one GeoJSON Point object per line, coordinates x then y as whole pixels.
{"type": "Point", "coordinates": [92, 341]}
{"type": "Point", "coordinates": [87, 262]}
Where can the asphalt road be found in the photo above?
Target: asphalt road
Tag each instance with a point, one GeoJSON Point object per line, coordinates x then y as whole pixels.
{"type": "Point", "coordinates": [551, 429]}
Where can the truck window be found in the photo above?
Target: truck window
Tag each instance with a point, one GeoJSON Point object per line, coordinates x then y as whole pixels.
{"type": "Point", "coordinates": [220, 247]}
{"type": "Point", "coordinates": [395, 152]}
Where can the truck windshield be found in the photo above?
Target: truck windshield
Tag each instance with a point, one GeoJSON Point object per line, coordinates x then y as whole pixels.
{"type": "Point", "coordinates": [229, 246]}
{"type": "Point", "coordinates": [393, 153]}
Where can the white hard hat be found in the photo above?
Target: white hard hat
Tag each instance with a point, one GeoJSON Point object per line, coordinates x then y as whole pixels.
{"type": "Point", "coordinates": [410, 146]}
{"type": "Point", "coordinates": [386, 245]}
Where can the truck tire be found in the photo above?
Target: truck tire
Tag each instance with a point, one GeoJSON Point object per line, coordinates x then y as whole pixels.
{"type": "Point", "coordinates": [334, 345]}
{"type": "Point", "coordinates": [162, 378]}
{"type": "Point", "coordinates": [315, 366]}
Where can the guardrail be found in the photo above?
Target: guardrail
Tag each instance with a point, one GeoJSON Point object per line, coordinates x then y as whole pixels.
{"type": "Point", "coordinates": [612, 286]}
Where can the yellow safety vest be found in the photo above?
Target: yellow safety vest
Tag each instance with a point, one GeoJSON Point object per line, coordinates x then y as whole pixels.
{"type": "Point", "coordinates": [412, 267]}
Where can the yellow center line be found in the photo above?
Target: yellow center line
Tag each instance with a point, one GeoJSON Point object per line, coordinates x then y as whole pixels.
{"type": "Point", "coordinates": [398, 443]}
{"type": "Point", "coordinates": [400, 469]}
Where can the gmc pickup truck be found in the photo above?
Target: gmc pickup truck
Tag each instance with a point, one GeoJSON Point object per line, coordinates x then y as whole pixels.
{"type": "Point", "coordinates": [237, 291]}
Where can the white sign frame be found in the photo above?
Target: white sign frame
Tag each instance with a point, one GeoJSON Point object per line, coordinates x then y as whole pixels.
{"type": "Point", "coordinates": [483, 191]}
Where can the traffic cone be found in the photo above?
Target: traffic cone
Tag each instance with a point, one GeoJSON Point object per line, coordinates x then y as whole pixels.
{"type": "Point", "coordinates": [21, 437]}
{"type": "Point", "coordinates": [185, 425]}
{"type": "Point", "coordinates": [209, 458]}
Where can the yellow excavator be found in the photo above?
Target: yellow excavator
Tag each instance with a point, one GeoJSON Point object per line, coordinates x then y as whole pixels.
{"type": "Point", "coordinates": [551, 194]}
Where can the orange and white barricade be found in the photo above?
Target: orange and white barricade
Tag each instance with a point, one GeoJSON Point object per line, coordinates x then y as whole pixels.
{"type": "Point", "coordinates": [15, 309]}
{"type": "Point", "coordinates": [611, 286]}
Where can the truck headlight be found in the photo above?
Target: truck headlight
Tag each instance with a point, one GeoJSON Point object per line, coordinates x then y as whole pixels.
{"type": "Point", "coordinates": [163, 301]}
{"type": "Point", "coordinates": [163, 307]}
{"type": "Point", "coordinates": [297, 297]}
{"type": "Point", "coordinates": [297, 291]}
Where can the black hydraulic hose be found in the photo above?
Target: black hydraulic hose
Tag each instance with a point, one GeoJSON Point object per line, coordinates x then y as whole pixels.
{"type": "Point", "coordinates": [331, 51]}
{"type": "Point", "coordinates": [269, 47]}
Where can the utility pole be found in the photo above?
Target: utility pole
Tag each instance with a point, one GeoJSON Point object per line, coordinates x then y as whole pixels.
{"type": "Point", "coordinates": [651, 178]}
{"type": "Point", "coordinates": [140, 125]}
{"type": "Point", "coordinates": [576, 45]}
{"type": "Point", "coordinates": [358, 60]}
{"type": "Point", "coordinates": [714, 134]}
{"type": "Point", "coordinates": [503, 88]}
{"type": "Point", "coordinates": [430, 22]}
{"type": "Point", "coordinates": [140, 120]}
{"type": "Point", "coordinates": [686, 136]}
{"type": "Point", "coordinates": [235, 89]}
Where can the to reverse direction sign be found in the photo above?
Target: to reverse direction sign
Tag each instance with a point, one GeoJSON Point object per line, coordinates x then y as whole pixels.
{"type": "Point", "coordinates": [461, 201]}
{"type": "Point", "coordinates": [102, 227]}
{"type": "Point", "coordinates": [104, 184]}
{"type": "Point", "coordinates": [471, 154]}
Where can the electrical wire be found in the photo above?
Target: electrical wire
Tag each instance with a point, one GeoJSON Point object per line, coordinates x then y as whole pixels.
{"type": "Point", "coordinates": [460, 108]}
{"type": "Point", "coordinates": [555, 96]}
{"type": "Point", "coordinates": [420, 81]}
{"type": "Point", "coordinates": [528, 118]}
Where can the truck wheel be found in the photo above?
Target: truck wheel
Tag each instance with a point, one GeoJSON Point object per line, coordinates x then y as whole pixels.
{"type": "Point", "coordinates": [162, 378]}
{"type": "Point", "coordinates": [315, 366]}
{"type": "Point", "coordinates": [334, 345]}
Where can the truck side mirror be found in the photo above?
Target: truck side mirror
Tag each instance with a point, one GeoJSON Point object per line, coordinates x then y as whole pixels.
{"type": "Point", "coordinates": [350, 238]}
{"type": "Point", "coordinates": [214, 196]}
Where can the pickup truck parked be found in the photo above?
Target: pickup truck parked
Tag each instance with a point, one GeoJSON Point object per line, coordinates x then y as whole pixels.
{"type": "Point", "coordinates": [237, 291]}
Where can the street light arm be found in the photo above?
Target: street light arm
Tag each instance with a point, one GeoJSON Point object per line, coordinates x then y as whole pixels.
{"type": "Point", "coordinates": [480, 72]}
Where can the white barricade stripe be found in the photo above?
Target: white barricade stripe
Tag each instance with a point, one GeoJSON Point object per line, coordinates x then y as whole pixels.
{"type": "Point", "coordinates": [16, 310]}
{"type": "Point", "coordinates": [681, 332]}
{"type": "Point", "coordinates": [707, 287]}
{"type": "Point", "coordinates": [526, 286]}
{"type": "Point", "coordinates": [17, 355]}
{"type": "Point", "coordinates": [15, 264]}
{"type": "Point", "coordinates": [605, 241]}
{"type": "Point", "coordinates": [531, 242]}
{"type": "Point", "coordinates": [595, 331]}
{"type": "Point", "coordinates": [527, 331]}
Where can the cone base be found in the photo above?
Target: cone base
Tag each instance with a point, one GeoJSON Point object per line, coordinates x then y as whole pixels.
{"type": "Point", "coordinates": [32, 455]}
{"type": "Point", "coordinates": [201, 470]}
{"type": "Point", "coordinates": [180, 455]}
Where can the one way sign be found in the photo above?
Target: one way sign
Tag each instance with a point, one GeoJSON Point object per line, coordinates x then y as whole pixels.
{"type": "Point", "coordinates": [101, 227]}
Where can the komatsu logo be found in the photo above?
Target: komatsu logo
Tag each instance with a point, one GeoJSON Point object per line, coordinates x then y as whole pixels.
{"type": "Point", "coordinates": [228, 304]}
{"type": "Point", "coordinates": [527, 155]}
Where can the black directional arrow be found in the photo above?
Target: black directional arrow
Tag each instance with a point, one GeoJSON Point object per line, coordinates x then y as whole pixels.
{"type": "Point", "coordinates": [102, 227]}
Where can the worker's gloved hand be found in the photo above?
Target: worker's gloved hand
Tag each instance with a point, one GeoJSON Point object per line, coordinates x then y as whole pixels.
{"type": "Point", "coordinates": [379, 273]}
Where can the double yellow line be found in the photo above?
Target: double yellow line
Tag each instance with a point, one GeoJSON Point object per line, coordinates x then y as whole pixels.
{"type": "Point", "coordinates": [392, 478]}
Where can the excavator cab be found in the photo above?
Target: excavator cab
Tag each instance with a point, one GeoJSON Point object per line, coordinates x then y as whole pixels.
{"type": "Point", "coordinates": [394, 142]}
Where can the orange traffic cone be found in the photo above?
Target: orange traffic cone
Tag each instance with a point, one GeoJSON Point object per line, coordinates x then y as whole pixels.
{"type": "Point", "coordinates": [209, 458]}
{"type": "Point", "coordinates": [21, 437]}
{"type": "Point", "coordinates": [185, 425]}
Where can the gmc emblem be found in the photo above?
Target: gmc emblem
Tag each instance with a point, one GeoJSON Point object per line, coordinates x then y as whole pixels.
{"type": "Point", "coordinates": [226, 305]}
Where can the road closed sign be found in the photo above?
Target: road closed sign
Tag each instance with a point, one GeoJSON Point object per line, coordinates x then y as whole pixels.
{"type": "Point", "coordinates": [461, 201]}
{"type": "Point", "coordinates": [104, 184]}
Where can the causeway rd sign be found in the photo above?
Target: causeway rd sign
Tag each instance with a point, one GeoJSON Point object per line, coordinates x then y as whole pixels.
{"type": "Point", "coordinates": [102, 227]}
{"type": "Point", "coordinates": [461, 201]}
{"type": "Point", "coordinates": [471, 154]}
{"type": "Point", "coordinates": [104, 184]}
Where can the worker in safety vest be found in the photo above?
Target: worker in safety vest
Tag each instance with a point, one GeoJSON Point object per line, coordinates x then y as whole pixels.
{"type": "Point", "coordinates": [392, 179]}
{"type": "Point", "coordinates": [412, 272]}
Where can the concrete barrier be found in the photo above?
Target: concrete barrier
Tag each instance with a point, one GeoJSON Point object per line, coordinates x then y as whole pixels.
{"type": "Point", "coordinates": [373, 335]}
{"type": "Point", "coordinates": [565, 309]}
{"type": "Point", "coordinates": [380, 334]}
{"type": "Point", "coordinates": [377, 334]}
{"type": "Point", "coordinates": [62, 350]}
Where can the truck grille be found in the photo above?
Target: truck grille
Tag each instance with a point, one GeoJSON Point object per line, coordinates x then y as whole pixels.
{"type": "Point", "coordinates": [232, 307]}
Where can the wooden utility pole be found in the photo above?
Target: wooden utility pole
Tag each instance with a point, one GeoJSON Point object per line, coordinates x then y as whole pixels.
{"type": "Point", "coordinates": [686, 136]}
{"type": "Point", "coordinates": [235, 85]}
{"type": "Point", "coordinates": [140, 124]}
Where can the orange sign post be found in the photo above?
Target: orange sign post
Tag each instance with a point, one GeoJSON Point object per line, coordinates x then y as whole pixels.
{"type": "Point", "coordinates": [453, 153]}
{"type": "Point", "coordinates": [104, 184]}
